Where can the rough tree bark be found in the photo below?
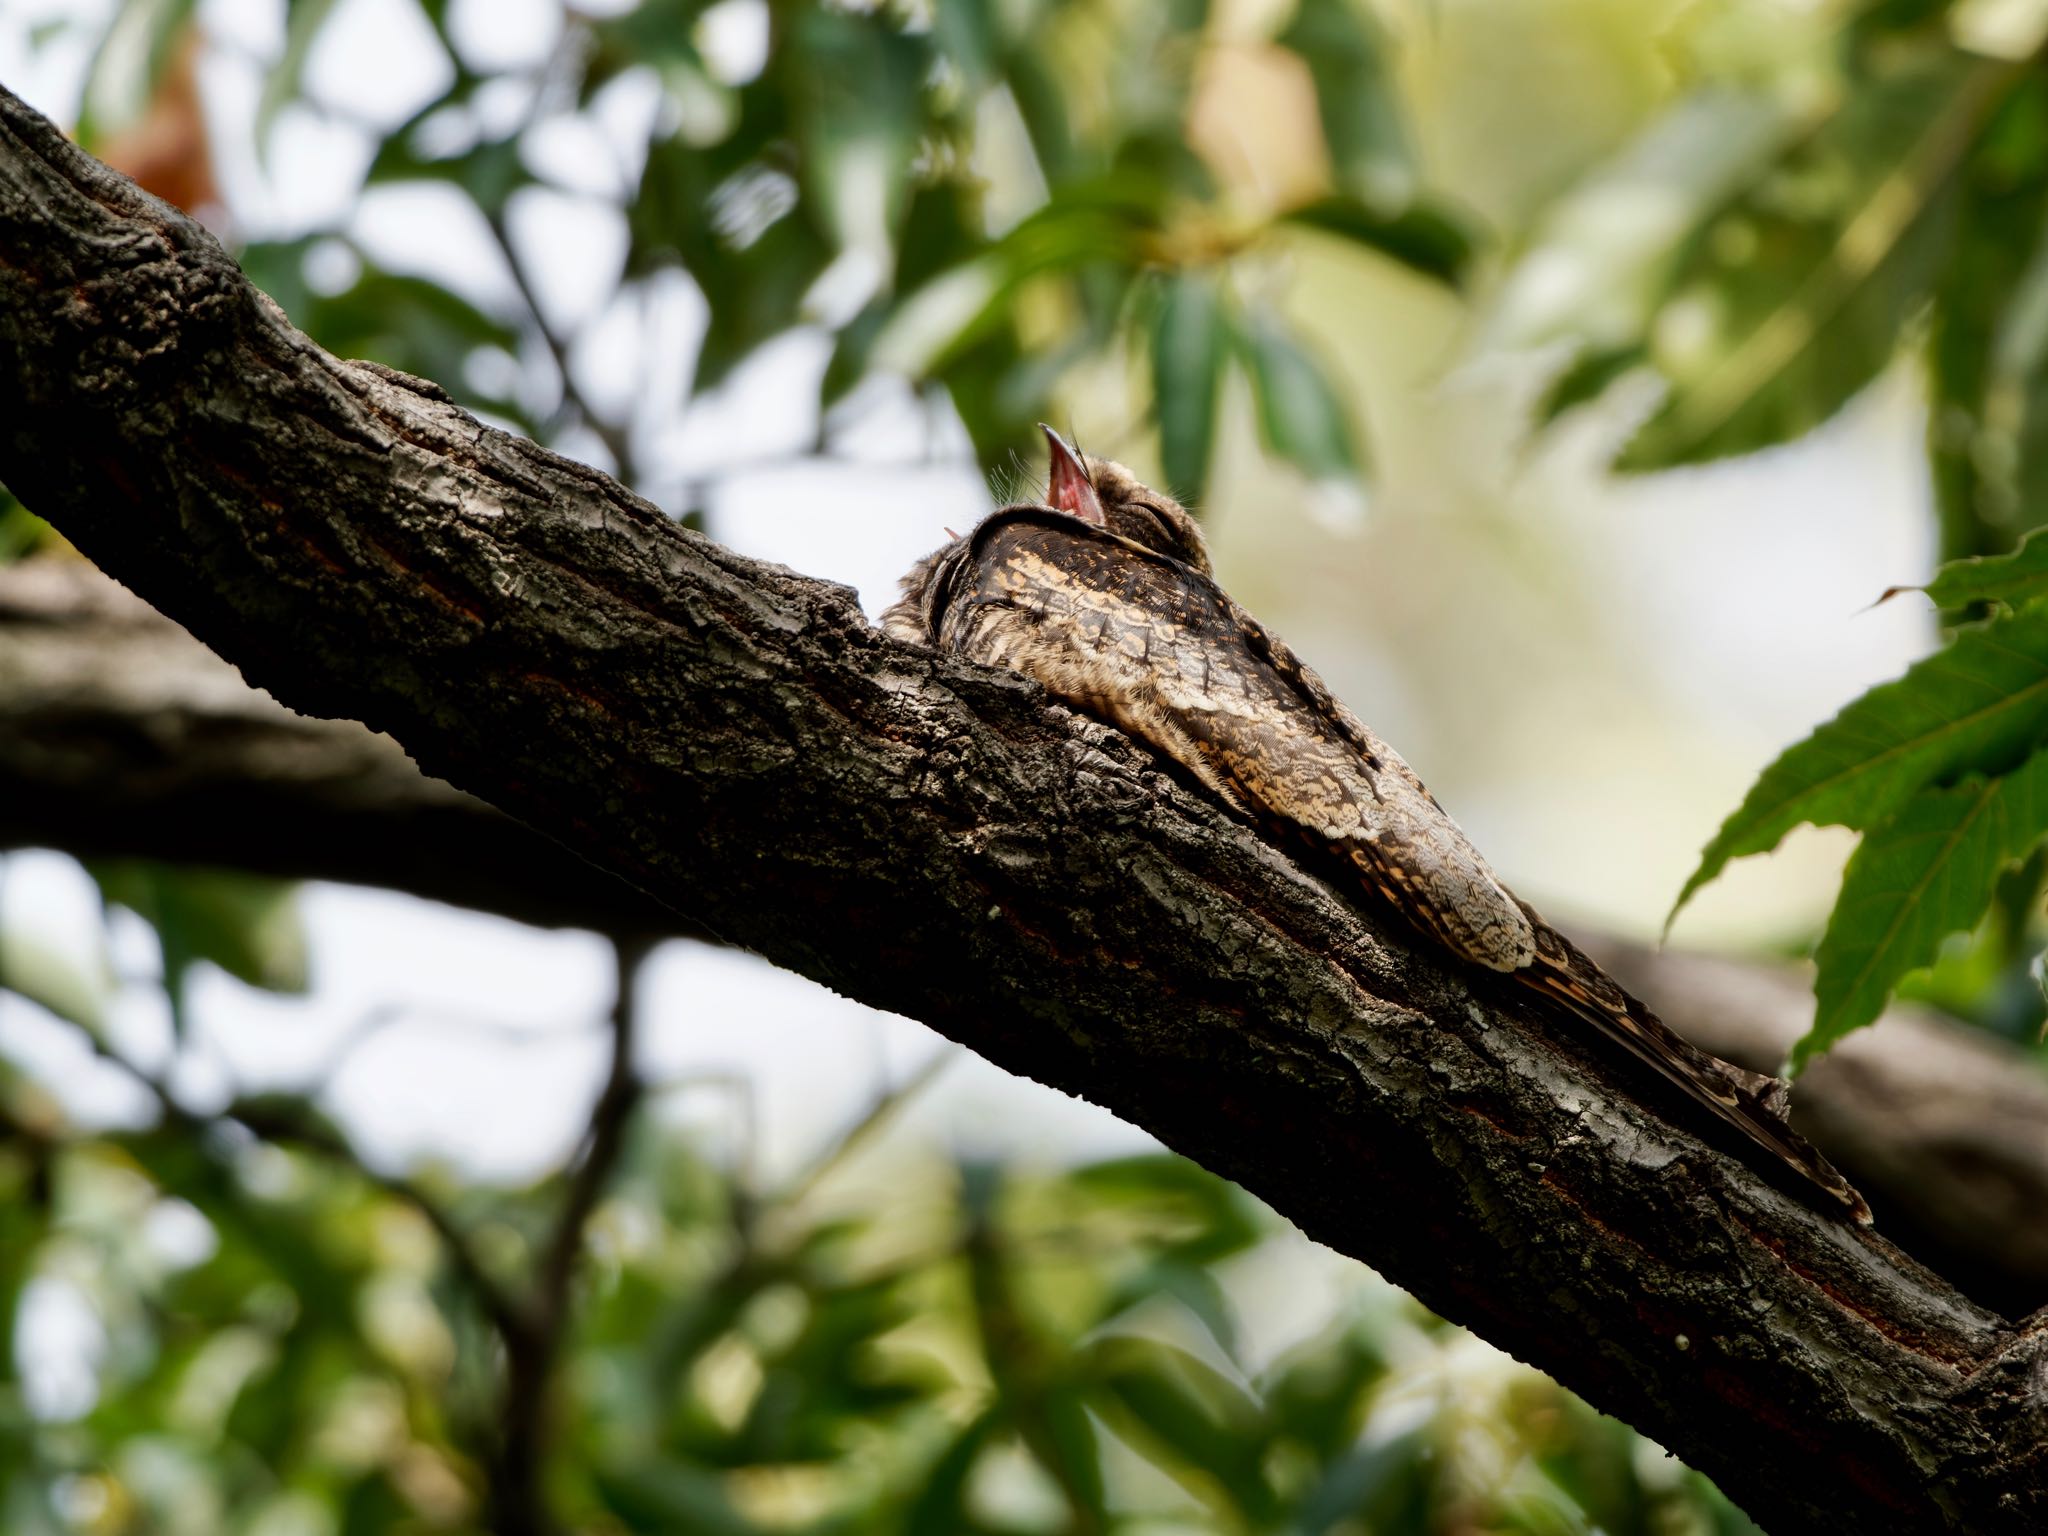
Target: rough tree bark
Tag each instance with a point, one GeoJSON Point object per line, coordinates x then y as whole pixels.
{"type": "Point", "coordinates": [122, 736]}
{"type": "Point", "coordinates": [938, 840]}
{"type": "Point", "coordinates": [1945, 1128]}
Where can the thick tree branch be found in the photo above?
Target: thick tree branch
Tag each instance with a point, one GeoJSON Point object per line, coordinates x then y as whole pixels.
{"type": "Point", "coordinates": [936, 840]}
{"type": "Point", "coordinates": [122, 736]}
{"type": "Point", "coordinates": [1944, 1127]}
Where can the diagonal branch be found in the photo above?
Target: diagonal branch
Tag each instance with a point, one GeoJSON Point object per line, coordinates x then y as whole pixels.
{"type": "Point", "coordinates": [935, 839]}
{"type": "Point", "coordinates": [122, 736]}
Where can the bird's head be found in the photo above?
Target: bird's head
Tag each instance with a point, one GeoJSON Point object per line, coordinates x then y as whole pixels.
{"type": "Point", "coordinates": [1103, 492]}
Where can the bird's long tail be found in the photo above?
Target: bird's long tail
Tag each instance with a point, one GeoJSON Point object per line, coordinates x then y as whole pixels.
{"type": "Point", "coordinates": [1747, 1101]}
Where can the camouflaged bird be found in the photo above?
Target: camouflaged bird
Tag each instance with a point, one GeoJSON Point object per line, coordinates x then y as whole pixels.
{"type": "Point", "coordinates": [1105, 597]}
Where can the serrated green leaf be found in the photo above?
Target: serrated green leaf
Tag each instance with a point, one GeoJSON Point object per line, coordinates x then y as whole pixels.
{"type": "Point", "coordinates": [1980, 704]}
{"type": "Point", "coordinates": [1190, 344]}
{"type": "Point", "coordinates": [2012, 580]}
{"type": "Point", "coordinates": [1424, 237]}
{"type": "Point", "coordinates": [1347, 54]}
{"type": "Point", "coordinates": [1302, 416]}
{"type": "Point", "coordinates": [1926, 873]}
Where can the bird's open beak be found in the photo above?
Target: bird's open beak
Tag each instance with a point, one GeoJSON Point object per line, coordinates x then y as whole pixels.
{"type": "Point", "coordinates": [1070, 488]}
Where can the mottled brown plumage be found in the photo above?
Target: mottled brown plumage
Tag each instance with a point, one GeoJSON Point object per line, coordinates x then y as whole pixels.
{"type": "Point", "coordinates": [1104, 596]}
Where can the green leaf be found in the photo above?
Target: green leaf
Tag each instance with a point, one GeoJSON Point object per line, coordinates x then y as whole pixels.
{"type": "Point", "coordinates": [1987, 429]}
{"type": "Point", "coordinates": [48, 977]}
{"type": "Point", "coordinates": [248, 925]}
{"type": "Point", "coordinates": [1102, 225]}
{"type": "Point", "coordinates": [656, 33]}
{"type": "Point", "coordinates": [1302, 416]}
{"type": "Point", "coordinates": [1599, 264]}
{"type": "Point", "coordinates": [857, 104]}
{"type": "Point", "coordinates": [1346, 52]}
{"type": "Point", "coordinates": [489, 171]}
{"type": "Point", "coordinates": [1424, 237]}
{"type": "Point", "coordinates": [131, 58]}
{"type": "Point", "coordinates": [2013, 580]}
{"type": "Point", "coordinates": [1208, 1219]}
{"type": "Point", "coordinates": [286, 77]}
{"type": "Point", "coordinates": [731, 213]}
{"type": "Point", "coordinates": [21, 531]}
{"type": "Point", "coordinates": [1384, 1485]}
{"type": "Point", "coordinates": [1980, 704]}
{"type": "Point", "coordinates": [1061, 1433]}
{"type": "Point", "coordinates": [1588, 378]}
{"type": "Point", "coordinates": [1317, 1393]}
{"type": "Point", "coordinates": [651, 1495]}
{"type": "Point", "coordinates": [972, 35]}
{"type": "Point", "coordinates": [943, 229]}
{"type": "Point", "coordinates": [1929, 871]}
{"type": "Point", "coordinates": [407, 322]}
{"type": "Point", "coordinates": [1792, 298]}
{"type": "Point", "coordinates": [1195, 1424]}
{"type": "Point", "coordinates": [1190, 343]}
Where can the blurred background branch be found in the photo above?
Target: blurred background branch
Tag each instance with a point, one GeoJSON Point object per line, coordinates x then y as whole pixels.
{"type": "Point", "coordinates": [121, 737]}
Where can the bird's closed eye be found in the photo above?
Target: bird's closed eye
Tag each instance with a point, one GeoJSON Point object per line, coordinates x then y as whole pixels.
{"type": "Point", "coordinates": [1157, 519]}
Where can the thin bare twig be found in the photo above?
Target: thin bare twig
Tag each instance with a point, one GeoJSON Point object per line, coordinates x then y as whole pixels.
{"type": "Point", "coordinates": [517, 1490]}
{"type": "Point", "coordinates": [617, 440]}
{"type": "Point", "coordinates": [602, 1143]}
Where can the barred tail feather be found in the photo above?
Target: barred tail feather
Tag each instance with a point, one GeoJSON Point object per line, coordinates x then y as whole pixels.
{"type": "Point", "coordinates": [1747, 1101]}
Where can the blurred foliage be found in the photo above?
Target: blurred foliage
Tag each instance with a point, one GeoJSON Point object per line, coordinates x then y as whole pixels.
{"type": "Point", "coordinates": [1837, 186]}
{"type": "Point", "coordinates": [279, 1342]}
{"type": "Point", "coordinates": [992, 204]}
{"type": "Point", "coordinates": [987, 202]}
{"type": "Point", "coordinates": [982, 200]}
{"type": "Point", "coordinates": [248, 925]}
{"type": "Point", "coordinates": [21, 531]}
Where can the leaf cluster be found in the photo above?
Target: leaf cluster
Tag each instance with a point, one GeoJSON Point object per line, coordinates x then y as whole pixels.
{"type": "Point", "coordinates": [980, 201]}
{"type": "Point", "coordinates": [881, 1346]}
{"type": "Point", "coordinates": [1823, 198]}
